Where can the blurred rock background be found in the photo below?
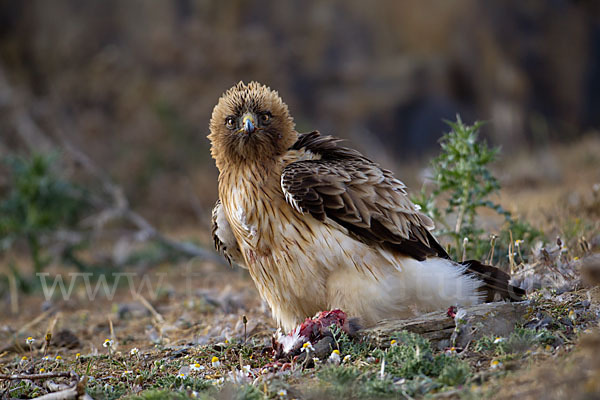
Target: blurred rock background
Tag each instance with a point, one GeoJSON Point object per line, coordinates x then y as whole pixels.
{"type": "Point", "coordinates": [133, 83]}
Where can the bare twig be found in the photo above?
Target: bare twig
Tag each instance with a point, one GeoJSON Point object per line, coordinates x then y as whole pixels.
{"type": "Point", "coordinates": [49, 333]}
{"type": "Point", "coordinates": [64, 395]}
{"type": "Point", "coordinates": [120, 208]}
{"type": "Point", "coordinates": [157, 316]}
{"type": "Point", "coordinates": [76, 392]}
{"type": "Point", "coordinates": [490, 258]}
{"type": "Point", "coordinates": [114, 344]}
{"type": "Point", "coordinates": [33, 377]}
{"type": "Point", "coordinates": [37, 140]}
{"type": "Point", "coordinates": [56, 387]}
{"type": "Point", "coordinates": [14, 293]}
{"type": "Point", "coordinates": [35, 321]}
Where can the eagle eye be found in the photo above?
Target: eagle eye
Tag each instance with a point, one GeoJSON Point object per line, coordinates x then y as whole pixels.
{"type": "Point", "coordinates": [230, 122]}
{"type": "Point", "coordinates": [265, 117]}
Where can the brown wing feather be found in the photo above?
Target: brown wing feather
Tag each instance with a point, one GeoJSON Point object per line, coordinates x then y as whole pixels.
{"type": "Point", "coordinates": [343, 185]}
{"type": "Point", "coordinates": [355, 192]}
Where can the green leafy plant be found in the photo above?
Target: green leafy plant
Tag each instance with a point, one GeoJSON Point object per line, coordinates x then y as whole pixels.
{"type": "Point", "coordinates": [461, 175]}
{"type": "Point", "coordinates": [519, 341]}
{"type": "Point", "coordinates": [409, 367]}
{"type": "Point", "coordinates": [413, 357]}
{"type": "Point", "coordinates": [39, 201]}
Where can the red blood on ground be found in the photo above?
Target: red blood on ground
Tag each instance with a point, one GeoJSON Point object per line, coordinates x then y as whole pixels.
{"type": "Point", "coordinates": [451, 311]}
{"type": "Point", "coordinates": [317, 327]}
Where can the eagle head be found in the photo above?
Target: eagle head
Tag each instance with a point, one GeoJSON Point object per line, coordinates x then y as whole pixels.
{"type": "Point", "coordinates": [250, 123]}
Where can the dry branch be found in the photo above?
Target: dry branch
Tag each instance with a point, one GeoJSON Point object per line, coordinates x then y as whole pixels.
{"type": "Point", "coordinates": [33, 377]}
{"type": "Point", "coordinates": [484, 319]}
{"type": "Point", "coordinates": [37, 140]}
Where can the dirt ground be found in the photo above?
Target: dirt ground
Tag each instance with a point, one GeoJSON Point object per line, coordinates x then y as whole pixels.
{"type": "Point", "coordinates": [182, 314]}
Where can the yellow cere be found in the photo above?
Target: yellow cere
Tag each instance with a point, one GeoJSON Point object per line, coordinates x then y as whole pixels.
{"type": "Point", "coordinates": [215, 359]}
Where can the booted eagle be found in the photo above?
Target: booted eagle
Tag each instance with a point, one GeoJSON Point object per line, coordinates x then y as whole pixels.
{"type": "Point", "coordinates": [320, 226]}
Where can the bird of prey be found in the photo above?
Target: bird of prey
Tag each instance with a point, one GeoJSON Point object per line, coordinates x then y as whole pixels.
{"type": "Point", "coordinates": [320, 226]}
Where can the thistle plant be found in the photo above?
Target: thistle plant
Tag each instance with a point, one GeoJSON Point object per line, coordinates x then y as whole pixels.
{"type": "Point", "coordinates": [37, 203]}
{"type": "Point", "coordinates": [461, 175]}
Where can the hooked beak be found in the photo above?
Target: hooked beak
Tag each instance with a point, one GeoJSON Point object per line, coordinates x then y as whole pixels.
{"type": "Point", "coordinates": [248, 123]}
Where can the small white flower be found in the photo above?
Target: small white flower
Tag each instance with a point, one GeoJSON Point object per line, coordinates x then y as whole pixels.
{"type": "Point", "coordinates": [451, 351]}
{"type": "Point", "coordinates": [334, 357]}
{"type": "Point", "coordinates": [46, 358]}
{"type": "Point", "coordinates": [182, 375]}
{"type": "Point", "coordinates": [519, 242]}
{"type": "Point", "coordinates": [125, 373]}
{"type": "Point", "coordinates": [346, 358]}
{"type": "Point", "coordinates": [215, 362]}
{"type": "Point", "coordinates": [29, 340]}
{"type": "Point", "coordinates": [498, 340]}
{"type": "Point", "coordinates": [134, 351]}
{"type": "Point", "coordinates": [107, 343]}
{"type": "Point", "coordinates": [197, 367]}
{"type": "Point", "coordinates": [307, 347]}
{"type": "Point", "coordinates": [246, 368]}
{"type": "Point", "coordinates": [282, 393]}
{"type": "Point", "coordinates": [495, 364]}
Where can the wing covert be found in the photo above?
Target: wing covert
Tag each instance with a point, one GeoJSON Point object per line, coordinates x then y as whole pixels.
{"type": "Point", "coordinates": [344, 186]}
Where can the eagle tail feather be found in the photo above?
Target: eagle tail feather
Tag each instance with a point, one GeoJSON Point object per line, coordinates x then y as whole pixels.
{"type": "Point", "coordinates": [495, 282]}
